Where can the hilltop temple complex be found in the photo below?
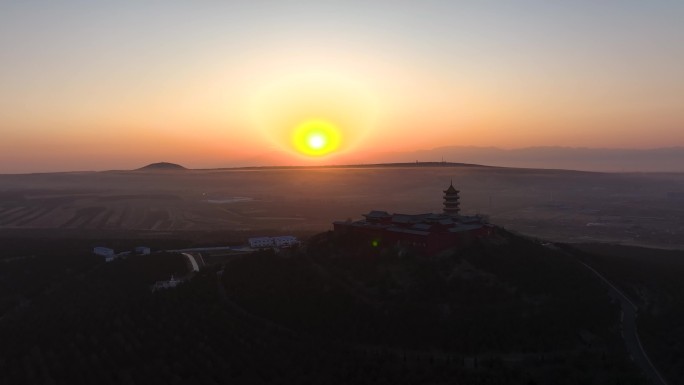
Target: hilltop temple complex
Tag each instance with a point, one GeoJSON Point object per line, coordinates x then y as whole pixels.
{"type": "Point", "coordinates": [427, 233]}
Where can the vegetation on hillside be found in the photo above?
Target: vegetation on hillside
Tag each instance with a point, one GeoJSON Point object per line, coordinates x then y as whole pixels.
{"type": "Point", "coordinates": [505, 311]}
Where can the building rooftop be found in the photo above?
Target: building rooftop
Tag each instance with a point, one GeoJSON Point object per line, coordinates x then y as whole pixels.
{"type": "Point", "coordinates": [396, 229]}
{"type": "Point", "coordinates": [421, 226]}
{"type": "Point", "coordinates": [378, 214]}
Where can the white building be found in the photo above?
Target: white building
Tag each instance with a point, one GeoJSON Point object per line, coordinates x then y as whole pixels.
{"type": "Point", "coordinates": [261, 242]}
{"type": "Point", "coordinates": [103, 251]}
{"type": "Point", "coordinates": [285, 241]}
{"type": "Point", "coordinates": [142, 250]}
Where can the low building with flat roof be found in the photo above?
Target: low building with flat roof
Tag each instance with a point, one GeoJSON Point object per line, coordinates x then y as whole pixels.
{"type": "Point", "coordinates": [103, 251]}
{"type": "Point", "coordinates": [269, 242]}
{"type": "Point", "coordinates": [142, 250]}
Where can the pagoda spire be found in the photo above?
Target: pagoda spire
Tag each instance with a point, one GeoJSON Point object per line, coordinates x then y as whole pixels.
{"type": "Point", "coordinates": [452, 200]}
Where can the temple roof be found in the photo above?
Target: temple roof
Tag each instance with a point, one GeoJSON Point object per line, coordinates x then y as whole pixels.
{"type": "Point", "coordinates": [377, 214]}
{"type": "Point", "coordinates": [421, 227]}
{"type": "Point", "coordinates": [407, 218]}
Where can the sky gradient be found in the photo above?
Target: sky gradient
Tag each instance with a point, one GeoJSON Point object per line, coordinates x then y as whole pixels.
{"type": "Point", "coordinates": [87, 86]}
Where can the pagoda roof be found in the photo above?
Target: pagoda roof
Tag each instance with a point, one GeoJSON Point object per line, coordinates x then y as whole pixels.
{"type": "Point", "coordinates": [451, 189]}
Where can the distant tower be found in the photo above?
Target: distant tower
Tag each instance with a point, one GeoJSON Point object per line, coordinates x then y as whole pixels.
{"type": "Point", "coordinates": [451, 201]}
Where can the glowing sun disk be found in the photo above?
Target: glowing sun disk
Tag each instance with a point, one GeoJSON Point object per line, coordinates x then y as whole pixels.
{"type": "Point", "coordinates": [316, 138]}
{"type": "Point", "coordinates": [316, 141]}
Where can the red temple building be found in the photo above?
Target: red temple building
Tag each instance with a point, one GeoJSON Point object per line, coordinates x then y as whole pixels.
{"type": "Point", "coordinates": [425, 233]}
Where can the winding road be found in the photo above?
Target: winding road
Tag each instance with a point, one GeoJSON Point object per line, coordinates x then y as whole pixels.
{"type": "Point", "coordinates": [193, 262]}
{"type": "Point", "coordinates": [629, 331]}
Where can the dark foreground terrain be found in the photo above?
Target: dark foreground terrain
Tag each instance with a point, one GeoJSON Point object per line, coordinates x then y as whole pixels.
{"type": "Point", "coordinates": [507, 310]}
{"type": "Point", "coordinates": [653, 280]}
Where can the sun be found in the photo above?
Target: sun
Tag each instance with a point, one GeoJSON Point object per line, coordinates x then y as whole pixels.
{"type": "Point", "coordinates": [313, 114]}
{"type": "Point", "coordinates": [316, 137]}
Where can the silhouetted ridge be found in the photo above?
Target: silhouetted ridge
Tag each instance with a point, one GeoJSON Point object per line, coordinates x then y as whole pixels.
{"type": "Point", "coordinates": [162, 166]}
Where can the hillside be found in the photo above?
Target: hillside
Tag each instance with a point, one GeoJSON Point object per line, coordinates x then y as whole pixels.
{"type": "Point", "coordinates": [510, 301]}
{"type": "Point", "coordinates": [653, 280]}
{"type": "Point", "coordinates": [162, 166]}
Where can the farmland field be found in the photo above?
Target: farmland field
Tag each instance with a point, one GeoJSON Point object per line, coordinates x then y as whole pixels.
{"type": "Point", "coordinates": [554, 204]}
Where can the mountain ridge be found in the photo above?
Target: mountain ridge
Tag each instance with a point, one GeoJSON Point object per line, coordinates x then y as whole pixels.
{"type": "Point", "coordinates": [663, 159]}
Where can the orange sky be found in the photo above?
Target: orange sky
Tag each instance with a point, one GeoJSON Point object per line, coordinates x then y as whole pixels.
{"type": "Point", "coordinates": [88, 88]}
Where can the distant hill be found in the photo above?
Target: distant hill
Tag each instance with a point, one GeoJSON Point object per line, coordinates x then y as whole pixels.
{"type": "Point", "coordinates": [162, 166]}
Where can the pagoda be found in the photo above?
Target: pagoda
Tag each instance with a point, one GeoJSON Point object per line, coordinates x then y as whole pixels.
{"type": "Point", "coordinates": [451, 201]}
